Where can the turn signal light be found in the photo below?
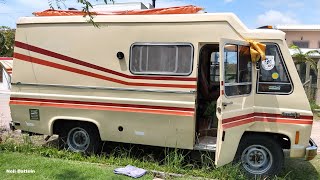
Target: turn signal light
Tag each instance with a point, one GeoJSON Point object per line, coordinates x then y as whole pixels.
{"type": "Point", "coordinates": [297, 137]}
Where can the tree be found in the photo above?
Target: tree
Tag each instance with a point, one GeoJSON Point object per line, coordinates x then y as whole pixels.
{"type": "Point", "coordinates": [301, 57]}
{"type": "Point", "coordinates": [6, 41]}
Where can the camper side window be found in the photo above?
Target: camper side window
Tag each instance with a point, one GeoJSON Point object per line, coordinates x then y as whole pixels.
{"type": "Point", "coordinates": [161, 59]}
{"type": "Point", "coordinates": [273, 74]}
{"type": "Point", "coordinates": [238, 70]}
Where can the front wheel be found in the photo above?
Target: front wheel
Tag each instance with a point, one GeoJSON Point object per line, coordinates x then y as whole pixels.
{"type": "Point", "coordinates": [260, 155]}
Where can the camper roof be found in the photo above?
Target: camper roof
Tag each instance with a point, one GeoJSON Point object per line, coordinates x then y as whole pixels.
{"type": "Point", "coordinates": [231, 18]}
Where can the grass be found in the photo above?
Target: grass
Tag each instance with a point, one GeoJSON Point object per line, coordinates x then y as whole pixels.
{"type": "Point", "coordinates": [297, 169]}
{"type": "Point", "coordinates": [118, 155]}
{"type": "Point", "coordinates": [169, 161]}
{"type": "Point", "coordinates": [314, 107]}
{"type": "Point", "coordinates": [51, 168]}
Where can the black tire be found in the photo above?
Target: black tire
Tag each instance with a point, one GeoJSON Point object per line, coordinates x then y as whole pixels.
{"type": "Point", "coordinates": [267, 153]}
{"type": "Point", "coordinates": [80, 137]}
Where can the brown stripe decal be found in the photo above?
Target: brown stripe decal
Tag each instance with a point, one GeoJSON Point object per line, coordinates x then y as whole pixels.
{"type": "Point", "coordinates": [179, 111]}
{"type": "Point", "coordinates": [93, 66]}
{"type": "Point", "coordinates": [90, 74]}
{"type": "Point", "coordinates": [264, 117]}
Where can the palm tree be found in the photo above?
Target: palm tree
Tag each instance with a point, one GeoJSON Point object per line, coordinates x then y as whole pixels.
{"type": "Point", "coordinates": [301, 57]}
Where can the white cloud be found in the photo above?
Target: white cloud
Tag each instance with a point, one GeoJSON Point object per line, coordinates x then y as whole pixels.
{"type": "Point", "coordinates": [273, 17]}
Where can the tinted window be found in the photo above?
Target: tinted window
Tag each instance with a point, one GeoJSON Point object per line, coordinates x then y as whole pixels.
{"type": "Point", "coordinates": [173, 59]}
{"type": "Point", "coordinates": [273, 75]}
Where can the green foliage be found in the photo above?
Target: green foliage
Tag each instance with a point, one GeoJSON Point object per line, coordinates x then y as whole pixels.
{"type": "Point", "coordinates": [313, 105]}
{"type": "Point", "coordinates": [301, 57]}
{"type": "Point", "coordinates": [6, 41]}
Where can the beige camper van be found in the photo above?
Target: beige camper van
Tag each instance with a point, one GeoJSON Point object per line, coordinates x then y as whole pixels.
{"type": "Point", "coordinates": [181, 80]}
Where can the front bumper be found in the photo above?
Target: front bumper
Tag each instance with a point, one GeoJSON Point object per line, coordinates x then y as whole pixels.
{"type": "Point", "coordinates": [311, 150]}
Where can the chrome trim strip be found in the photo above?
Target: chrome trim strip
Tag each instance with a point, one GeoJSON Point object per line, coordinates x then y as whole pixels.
{"type": "Point", "coordinates": [238, 84]}
{"type": "Point", "coordinates": [104, 88]}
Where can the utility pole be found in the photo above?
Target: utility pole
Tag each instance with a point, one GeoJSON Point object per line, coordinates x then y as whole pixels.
{"type": "Point", "coordinates": [154, 3]}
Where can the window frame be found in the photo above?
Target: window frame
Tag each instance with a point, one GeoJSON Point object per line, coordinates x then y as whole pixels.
{"type": "Point", "coordinates": [161, 44]}
{"type": "Point", "coordinates": [237, 84]}
{"type": "Point", "coordinates": [287, 72]}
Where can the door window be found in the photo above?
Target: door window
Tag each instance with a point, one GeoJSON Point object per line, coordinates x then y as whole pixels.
{"type": "Point", "coordinates": [238, 70]}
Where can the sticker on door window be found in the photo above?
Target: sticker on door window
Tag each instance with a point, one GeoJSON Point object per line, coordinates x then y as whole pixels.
{"type": "Point", "coordinates": [269, 63]}
{"type": "Point", "coordinates": [275, 75]}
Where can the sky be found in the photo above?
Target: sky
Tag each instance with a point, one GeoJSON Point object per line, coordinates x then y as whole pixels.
{"type": "Point", "coordinates": [253, 13]}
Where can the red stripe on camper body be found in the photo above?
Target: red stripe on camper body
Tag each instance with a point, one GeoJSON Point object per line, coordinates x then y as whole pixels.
{"type": "Point", "coordinates": [93, 66]}
{"type": "Point", "coordinates": [5, 58]}
{"type": "Point", "coordinates": [90, 74]}
{"type": "Point", "coordinates": [103, 106]}
{"type": "Point", "coordinates": [263, 117]}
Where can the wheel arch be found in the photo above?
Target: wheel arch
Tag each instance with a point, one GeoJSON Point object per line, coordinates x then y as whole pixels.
{"type": "Point", "coordinates": [283, 139]}
{"type": "Point", "coordinates": [54, 122]}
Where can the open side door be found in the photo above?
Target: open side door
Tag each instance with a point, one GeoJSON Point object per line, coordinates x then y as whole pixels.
{"type": "Point", "coordinates": [235, 104]}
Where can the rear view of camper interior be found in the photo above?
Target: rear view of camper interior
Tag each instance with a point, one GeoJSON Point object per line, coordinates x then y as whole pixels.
{"type": "Point", "coordinates": [207, 94]}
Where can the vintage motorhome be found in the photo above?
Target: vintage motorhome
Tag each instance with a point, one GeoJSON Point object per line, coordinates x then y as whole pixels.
{"type": "Point", "coordinates": [180, 80]}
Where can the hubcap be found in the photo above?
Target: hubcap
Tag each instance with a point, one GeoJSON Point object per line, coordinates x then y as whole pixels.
{"type": "Point", "coordinates": [256, 159]}
{"type": "Point", "coordinates": [78, 139]}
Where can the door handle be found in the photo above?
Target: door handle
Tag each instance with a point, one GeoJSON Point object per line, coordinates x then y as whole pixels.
{"type": "Point", "coordinates": [226, 103]}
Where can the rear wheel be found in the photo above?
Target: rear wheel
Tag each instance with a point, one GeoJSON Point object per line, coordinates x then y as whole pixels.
{"type": "Point", "coordinates": [260, 155]}
{"type": "Point", "coordinates": [80, 137]}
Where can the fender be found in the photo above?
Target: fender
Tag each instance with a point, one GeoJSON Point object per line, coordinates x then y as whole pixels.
{"type": "Point", "coordinates": [71, 118]}
{"type": "Point", "coordinates": [234, 135]}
